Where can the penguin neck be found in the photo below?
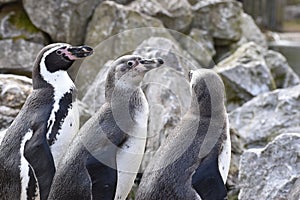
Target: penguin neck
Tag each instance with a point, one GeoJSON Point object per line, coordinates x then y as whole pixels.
{"type": "Point", "coordinates": [206, 108]}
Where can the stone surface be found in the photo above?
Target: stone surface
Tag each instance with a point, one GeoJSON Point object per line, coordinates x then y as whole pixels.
{"type": "Point", "coordinates": [108, 20]}
{"type": "Point", "coordinates": [294, 193]}
{"type": "Point", "coordinates": [64, 21]}
{"type": "Point", "coordinates": [251, 32]}
{"type": "Point", "coordinates": [245, 75]}
{"type": "Point", "coordinates": [267, 115]}
{"type": "Point", "coordinates": [200, 46]}
{"type": "Point", "coordinates": [18, 53]}
{"type": "Point", "coordinates": [175, 15]}
{"type": "Point", "coordinates": [220, 17]}
{"type": "Point", "coordinates": [270, 172]}
{"type": "Point", "coordinates": [15, 24]}
{"type": "Point", "coordinates": [168, 102]}
{"type": "Point", "coordinates": [170, 51]}
{"type": "Point", "coordinates": [283, 74]}
{"type": "Point", "coordinates": [13, 93]}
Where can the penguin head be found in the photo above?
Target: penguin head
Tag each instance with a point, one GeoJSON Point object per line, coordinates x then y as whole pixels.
{"type": "Point", "coordinates": [129, 70]}
{"type": "Point", "coordinates": [57, 57]}
{"type": "Point", "coordinates": [206, 84]}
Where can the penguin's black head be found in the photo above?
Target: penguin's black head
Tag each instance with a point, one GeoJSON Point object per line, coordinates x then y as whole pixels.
{"type": "Point", "coordinates": [54, 60]}
{"type": "Point", "coordinates": [130, 70]}
{"type": "Point", "coordinates": [61, 56]}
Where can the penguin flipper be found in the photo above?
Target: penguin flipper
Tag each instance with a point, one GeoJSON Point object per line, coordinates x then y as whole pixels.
{"type": "Point", "coordinates": [207, 181]}
{"type": "Point", "coordinates": [37, 153]}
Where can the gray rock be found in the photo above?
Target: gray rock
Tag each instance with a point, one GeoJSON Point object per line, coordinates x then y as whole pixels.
{"type": "Point", "coordinates": [267, 115]}
{"type": "Point", "coordinates": [168, 101]}
{"type": "Point", "coordinates": [170, 51]}
{"type": "Point", "coordinates": [282, 73]}
{"type": "Point", "coordinates": [175, 15]}
{"type": "Point", "coordinates": [251, 32]}
{"type": "Point", "coordinates": [221, 18]}
{"type": "Point", "coordinates": [114, 30]}
{"type": "Point", "coordinates": [200, 46]}
{"type": "Point", "coordinates": [295, 191]}
{"type": "Point", "coordinates": [13, 92]}
{"type": "Point", "coordinates": [245, 75]}
{"type": "Point", "coordinates": [270, 172]}
{"type": "Point", "coordinates": [18, 53]}
{"type": "Point", "coordinates": [15, 24]}
{"type": "Point", "coordinates": [64, 20]}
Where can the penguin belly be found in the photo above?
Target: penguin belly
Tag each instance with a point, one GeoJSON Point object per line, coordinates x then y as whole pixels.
{"type": "Point", "coordinates": [129, 158]}
{"type": "Point", "coordinates": [69, 128]}
{"type": "Point", "coordinates": [225, 155]}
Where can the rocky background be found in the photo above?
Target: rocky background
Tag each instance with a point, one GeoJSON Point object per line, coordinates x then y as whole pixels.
{"type": "Point", "coordinates": [263, 91]}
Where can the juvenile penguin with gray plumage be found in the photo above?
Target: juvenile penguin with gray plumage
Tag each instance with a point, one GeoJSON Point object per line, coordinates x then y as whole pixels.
{"type": "Point", "coordinates": [41, 132]}
{"type": "Point", "coordinates": [105, 156]}
{"type": "Point", "coordinates": [193, 162]}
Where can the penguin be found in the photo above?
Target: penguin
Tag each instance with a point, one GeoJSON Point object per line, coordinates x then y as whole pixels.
{"type": "Point", "coordinates": [38, 137]}
{"type": "Point", "coordinates": [193, 161]}
{"type": "Point", "coordinates": [105, 155]}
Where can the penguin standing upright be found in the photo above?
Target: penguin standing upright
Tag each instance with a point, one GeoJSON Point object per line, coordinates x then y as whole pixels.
{"type": "Point", "coordinates": [193, 162]}
{"type": "Point", "coordinates": [105, 155]}
{"type": "Point", "coordinates": [43, 129]}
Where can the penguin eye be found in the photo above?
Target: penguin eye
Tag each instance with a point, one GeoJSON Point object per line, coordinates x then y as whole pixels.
{"type": "Point", "coordinates": [59, 52]}
{"type": "Point", "coordinates": [190, 75]}
{"type": "Point", "coordinates": [130, 63]}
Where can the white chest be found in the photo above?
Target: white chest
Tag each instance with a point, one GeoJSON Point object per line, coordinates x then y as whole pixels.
{"type": "Point", "coordinates": [225, 155]}
{"type": "Point", "coordinates": [69, 128]}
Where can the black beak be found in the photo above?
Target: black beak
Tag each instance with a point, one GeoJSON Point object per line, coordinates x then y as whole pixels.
{"type": "Point", "coordinates": [151, 63]}
{"type": "Point", "coordinates": [81, 52]}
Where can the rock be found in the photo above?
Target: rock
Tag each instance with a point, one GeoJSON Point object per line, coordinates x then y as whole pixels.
{"type": "Point", "coordinates": [295, 191]}
{"type": "Point", "coordinates": [170, 51]}
{"type": "Point", "coordinates": [245, 75]}
{"type": "Point", "coordinates": [237, 148]}
{"type": "Point", "coordinates": [175, 15]}
{"type": "Point", "coordinates": [221, 18]}
{"type": "Point", "coordinates": [250, 32]}
{"type": "Point", "coordinates": [124, 2]}
{"type": "Point", "coordinates": [95, 95]}
{"type": "Point", "coordinates": [270, 172]}
{"type": "Point", "coordinates": [168, 102]}
{"type": "Point", "coordinates": [18, 54]}
{"type": "Point", "coordinates": [114, 30]}
{"type": "Point", "coordinates": [13, 92]}
{"type": "Point", "coordinates": [15, 24]}
{"type": "Point", "coordinates": [200, 46]}
{"type": "Point", "coordinates": [66, 20]}
{"type": "Point", "coordinates": [283, 74]}
{"type": "Point", "coordinates": [264, 117]}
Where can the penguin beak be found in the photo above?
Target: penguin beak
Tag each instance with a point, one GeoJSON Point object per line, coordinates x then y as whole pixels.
{"type": "Point", "coordinates": [151, 63]}
{"type": "Point", "coordinates": [80, 52]}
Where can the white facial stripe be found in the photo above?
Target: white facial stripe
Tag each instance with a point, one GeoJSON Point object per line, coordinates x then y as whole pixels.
{"type": "Point", "coordinates": [24, 167]}
{"type": "Point", "coordinates": [61, 82]}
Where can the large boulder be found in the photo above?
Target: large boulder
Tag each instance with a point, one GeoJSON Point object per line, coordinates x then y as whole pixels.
{"type": "Point", "coordinates": [220, 17]}
{"type": "Point", "coordinates": [283, 74]}
{"type": "Point", "coordinates": [271, 172]}
{"type": "Point", "coordinates": [175, 15]}
{"type": "Point", "coordinates": [264, 117]}
{"type": "Point", "coordinates": [13, 92]}
{"type": "Point", "coordinates": [18, 54]}
{"type": "Point", "coordinates": [63, 20]}
{"type": "Point", "coordinates": [250, 32]}
{"type": "Point", "coordinates": [115, 30]}
{"type": "Point", "coordinates": [245, 75]}
{"type": "Point", "coordinates": [15, 24]}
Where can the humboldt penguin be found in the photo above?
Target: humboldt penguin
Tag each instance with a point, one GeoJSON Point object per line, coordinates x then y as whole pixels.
{"type": "Point", "coordinates": [41, 132]}
{"type": "Point", "coordinates": [193, 161]}
{"type": "Point", "coordinates": [105, 156]}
